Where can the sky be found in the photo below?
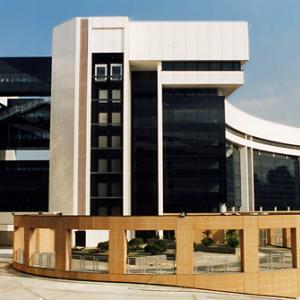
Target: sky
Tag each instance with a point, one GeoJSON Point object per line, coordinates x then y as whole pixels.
{"type": "Point", "coordinates": [272, 75]}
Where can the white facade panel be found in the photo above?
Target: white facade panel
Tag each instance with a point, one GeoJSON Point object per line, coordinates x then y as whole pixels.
{"type": "Point", "coordinates": [204, 78]}
{"type": "Point", "coordinates": [189, 41]}
{"type": "Point", "coordinates": [64, 98]}
{"type": "Point", "coordinates": [260, 128]}
{"type": "Point", "coordinates": [107, 40]}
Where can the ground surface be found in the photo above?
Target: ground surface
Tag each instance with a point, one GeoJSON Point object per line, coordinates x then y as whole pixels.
{"type": "Point", "coordinates": [18, 286]}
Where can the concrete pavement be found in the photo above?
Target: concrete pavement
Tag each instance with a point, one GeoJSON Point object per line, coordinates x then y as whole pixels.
{"type": "Point", "coordinates": [18, 286]}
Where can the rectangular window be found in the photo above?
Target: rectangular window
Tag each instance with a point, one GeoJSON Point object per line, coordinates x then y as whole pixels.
{"type": "Point", "coordinates": [100, 72]}
{"type": "Point", "coordinates": [116, 141]}
{"type": "Point", "coordinates": [116, 71]}
{"type": "Point", "coordinates": [103, 94]}
{"type": "Point", "coordinates": [115, 165]}
{"type": "Point", "coordinates": [116, 118]}
{"type": "Point", "coordinates": [116, 95]}
{"type": "Point", "coordinates": [102, 118]}
{"type": "Point", "coordinates": [102, 189]}
{"type": "Point", "coordinates": [102, 141]}
{"type": "Point", "coordinates": [102, 165]}
{"type": "Point", "coordinates": [116, 190]}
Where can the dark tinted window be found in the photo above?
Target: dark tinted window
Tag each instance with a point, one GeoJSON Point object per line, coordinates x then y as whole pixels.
{"type": "Point", "coordinates": [276, 181]}
{"type": "Point", "coordinates": [25, 76]}
{"type": "Point", "coordinates": [201, 66]}
{"type": "Point", "coordinates": [194, 150]}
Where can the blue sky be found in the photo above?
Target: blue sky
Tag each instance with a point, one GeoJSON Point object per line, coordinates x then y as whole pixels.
{"type": "Point", "coordinates": [272, 87]}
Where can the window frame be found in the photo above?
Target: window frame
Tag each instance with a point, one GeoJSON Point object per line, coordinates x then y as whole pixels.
{"type": "Point", "coordinates": [115, 78]}
{"type": "Point", "coordinates": [104, 78]}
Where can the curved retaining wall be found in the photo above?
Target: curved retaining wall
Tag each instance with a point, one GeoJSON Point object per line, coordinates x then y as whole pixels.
{"type": "Point", "coordinates": [251, 281]}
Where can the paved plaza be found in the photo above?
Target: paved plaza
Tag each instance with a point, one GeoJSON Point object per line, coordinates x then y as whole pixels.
{"type": "Point", "coordinates": [18, 286]}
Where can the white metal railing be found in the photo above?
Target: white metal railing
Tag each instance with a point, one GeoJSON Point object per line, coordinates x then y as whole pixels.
{"type": "Point", "coordinates": [276, 261]}
{"type": "Point", "coordinates": [215, 264]}
{"type": "Point", "coordinates": [89, 263]}
{"type": "Point", "coordinates": [156, 264]}
{"type": "Point", "coordinates": [43, 260]}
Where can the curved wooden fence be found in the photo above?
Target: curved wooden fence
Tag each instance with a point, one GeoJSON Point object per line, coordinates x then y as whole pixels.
{"type": "Point", "coordinates": [43, 246]}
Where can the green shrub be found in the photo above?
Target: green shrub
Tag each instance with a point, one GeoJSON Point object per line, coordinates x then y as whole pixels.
{"type": "Point", "coordinates": [162, 244]}
{"type": "Point", "coordinates": [135, 244]}
{"type": "Point", "coordinates": [207, 240]}
{"type": "Point", "coordinates": [153, 249]}
{"type": "Point", "coordinates": [103, 246]}
{"type": "Point", "coordinates": [232, 239]}
{"type": "Point", "coordinates": [156, 247]}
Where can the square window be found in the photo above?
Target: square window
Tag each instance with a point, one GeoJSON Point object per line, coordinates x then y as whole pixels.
{"type": "Point", "coordinates": [100, 72]}
{"type": "Point", "coordinates": [116, 118]}
{"type": "Point", "coordinates": [103, 94]}
{"type": "Point", "coordinates": [102, 118]}
{"type": "Point", "coordinates": [102, 165]}
{"type": "Point", "coordinates": [116, 71]}
{"type": "Point", "coordinates": [102, 141]}
{"type": "Point", "coordinates": [102, 189]}
{"type": "Point", "coordinates": [116, 94]}
{"type": "Point", "coordinates": [116, 141]}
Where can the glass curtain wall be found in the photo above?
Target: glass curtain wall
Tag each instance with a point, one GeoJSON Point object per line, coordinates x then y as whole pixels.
{"type": "Point", "coordinates": [194, 154]}
{"type": "Point", "coordinates": [276, 181]}
{"type": "Point", "coordinates": [144, 143]}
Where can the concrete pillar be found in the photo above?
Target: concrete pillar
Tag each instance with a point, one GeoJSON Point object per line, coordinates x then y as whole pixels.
{"type": "Point", "coordinates": [184, 247]}
{"type": "Point", "coordinates": [117, 247]}
{"type": "Point", "coordinates": [63, 248]}
{"type": "Point", "coordinates": [244, 179]}
{"type": "Point", "coordinates": [30, 245]}
{"type": "Point", "coordinates": [295, 245]}
{"type": "Point", "coordinates": [249, 245]}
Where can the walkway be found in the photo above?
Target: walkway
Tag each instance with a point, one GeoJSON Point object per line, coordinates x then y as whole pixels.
{"type": "Point", "coordinates": [18, 286]}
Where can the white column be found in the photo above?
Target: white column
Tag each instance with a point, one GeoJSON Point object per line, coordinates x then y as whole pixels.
{"type": "Point", "coordinates": [247, 179]}
{"type": "Point", "coordinates": [244, 178]}
{"type": "Point", "coordinates": [160, 141]}
{"type": "Point", "coordinates": [126, 129]}
{"type": "Point", "coordinates": [251, 179]}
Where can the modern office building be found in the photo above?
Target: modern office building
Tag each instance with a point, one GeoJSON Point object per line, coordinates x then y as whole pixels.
{"type": "Point", "coordinates": [25, 87]}
{"type": "Point", "coordinates": [141, 125]}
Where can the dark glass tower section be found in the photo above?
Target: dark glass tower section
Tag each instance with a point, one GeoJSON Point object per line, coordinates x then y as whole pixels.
{"type": "Point", "coordinates": [144, 143]}
{"type": "Point", "coordinates": [25, 76]}
{"type": "Point", "coordinates": [24, 125]}
{"type": "Point", "coordinates": [106, 134]}
{"type": "Point", "coordinates": [194, 150]}
{"type": "Point", "coordinates": [233, 176]}
{"type": "Point", "coordinates": [24, 185]}
{"type": "Point", "coordinates": [276, 181]}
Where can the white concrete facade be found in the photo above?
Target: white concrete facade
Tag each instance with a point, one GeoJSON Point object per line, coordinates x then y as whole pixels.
{"type": "Point", "coordinates": [145, 45]}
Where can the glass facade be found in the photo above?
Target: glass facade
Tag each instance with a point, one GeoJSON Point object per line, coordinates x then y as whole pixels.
{"type": "Point", "coordinates": [233, 176]}
{"type": "Point", "coordinates": [276, 181]}
{"type": "Point", "coordinates": [25, 123]}
{"type": "Point", "coordinates": [144, 143]}
{"type": "Point", "coordinates": [201, 66]}
{"type": "Point", "coordinates": [194, 154]}
{"type": "Point", "coordinates": [24, 186]}
{"type": "Point", "coordinates": [25, 76]}
{"type": "Point", "coordinates": [106, 134]}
